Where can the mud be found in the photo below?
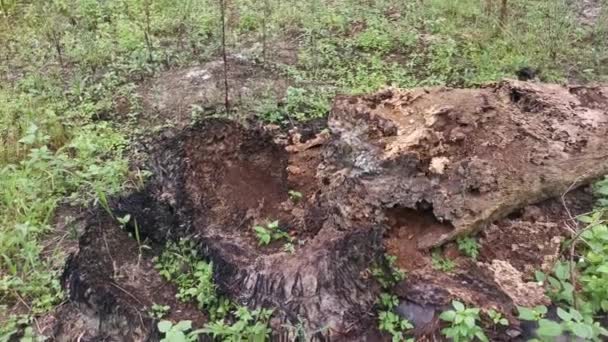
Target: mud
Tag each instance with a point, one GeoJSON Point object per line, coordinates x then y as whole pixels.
{"type": "Point", "coordinates": [398, 172]}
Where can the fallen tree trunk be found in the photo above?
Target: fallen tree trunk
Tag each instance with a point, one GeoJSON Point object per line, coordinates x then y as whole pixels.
{"type": "Point", "coordinates": [472, 155]}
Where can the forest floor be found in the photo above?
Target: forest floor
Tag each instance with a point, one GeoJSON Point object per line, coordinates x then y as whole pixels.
{"type": "Point", "coordinates": [131, 193]}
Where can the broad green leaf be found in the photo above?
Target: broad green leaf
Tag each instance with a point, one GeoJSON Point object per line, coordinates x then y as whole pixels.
{"type": "Point", "coordinates": [562, 270]}
{"type": "Point", "coordinates": [164, 326]}
{"type": "Point", "coordinates": [585, 219]}
{"type": "Point", "coordinates": [602, 269]}
{"type": "Point", "coordinates": [481, 336]}
{"type": "Point", "coordinates": [458, 305]}
{"type": "Point", "coordinates": [547, 328]}
{"type": "Point", "coordinates": [526, 314]}
{"type": "Point", "coordinates": [582, 330]}
{"type": "Point", "coordinates": [458, 319]}
{"type": "Point", "coordinates": [561, 313]}
{"type": "Point", "coordinates": [576, 315]}
{"type": "Point", "coordinates": [555, 283]}
{"type": "Point", "coordinates": [176, 336]}
{"type": "Point", "coordinates": [448, 315]}
{"type": "Point", "coordinates": [260, 230]}
{"type": "Point", "coordinates": [540, 276]}
{"type": "Point", "coordinates": [469, 321]}
{"type": "Point", "coordinates": [183, 325]}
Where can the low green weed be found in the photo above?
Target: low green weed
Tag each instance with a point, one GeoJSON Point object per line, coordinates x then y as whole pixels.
{"type": "Point", "coordinates": [497, 318]}
{"type": "Point", "coordinates": [593, 264]}
{"type": "Point", "coordinates": [295, 196]}
{"type": "Point", "coordinates": [33, 187]}
{"type": "Point", "coordinates": [300, 104]}
{"type": "Point", "coordinates": [159, 311]}
{"type": "Point", "coordinates": [582, 327]}
{"type": "Point", "coordinates": [289, 247]}
{"type": "Point", "coordinates": [440, 263]}
{"type": "Point", "coordinates": [463, 323]}
{"type": "Point", "coordinates": [396, 326]}
{"type": "Point", "coordinates": [469, 246]}
{"type": "Point", "coordinates": [559, 287]}
{"type": "Point", "coordinates": [532, 314]}
{"type": "Point", "coordinates": [601, 191]}
{"type": "Point", "coordinates": [180, 264]}
{"type": "Point", "coordinates": [14, 325]}
{"type": "Point", "coordinates": [388, 274]}
{"type": "Point", "coordinates": [179, 332]}
{"type": "Point", "coordinates": [271, 232]}
{"type": "Point", "coordinates": [572, 321]}
{"type": "Point", "coordinates": [390, 322]}
{"type": "Point", "coordinates": [248, 326]}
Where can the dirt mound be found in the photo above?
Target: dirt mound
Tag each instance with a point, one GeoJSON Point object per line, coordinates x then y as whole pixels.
{"type": "Point", "coordinates": [174, 96]}
{"type": "Point", "coordinates": [398, 170]}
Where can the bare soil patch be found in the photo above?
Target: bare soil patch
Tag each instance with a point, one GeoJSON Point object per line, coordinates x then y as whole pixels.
{"type": "Point", "coordinates": [174, 96]}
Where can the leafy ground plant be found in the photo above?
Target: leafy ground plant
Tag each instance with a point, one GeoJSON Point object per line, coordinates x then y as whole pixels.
{"type": "Point", "coordinates": [248, 326]}
{"type": "Point", "coordinates": [181, 264]}
{"type": "Point", "coordinates": [159, 311]}
{"type": "Point", "coordinates": [469, 246]}
{"type": "Point", "coordinates": [179, 332]}
{"type": "Point", "coordinates": [463, 323]}
{"type": "Point", "coordinates": [440, 263]}
{"type": "Point", "coordinates": [271, 232]}
{"type": "Point", "coordinates": [295, 196]}
{"type": "Point", "coordinates": [389, 321]}
{"type": "Point", "coordinates": [388, 274]}
{"type": "Point", "coordinates": [593, 264]}
{"type": "Point", "coordinates": [571, 321]}
{"type": "Point", "coordinates": [497, 318]}
{"type": "Point", "coordinates": [559, 287]}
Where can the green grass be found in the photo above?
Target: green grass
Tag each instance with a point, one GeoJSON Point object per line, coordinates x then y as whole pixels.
{"type": "Point", "coordinates": [65, 62]}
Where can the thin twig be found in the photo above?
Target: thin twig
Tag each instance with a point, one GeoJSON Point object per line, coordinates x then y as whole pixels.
{"type": "Point", "coordinates": [109, 253]}
{"type": "Point", "coordinates": [576, 235]}
{"type": "Point", "coordinates": [128, 293]}
{"type": "Point", "coordinates": [29, 308]}
{"type": "Point", "coordinates": [135, 298]}
{"type": "Point", "coordinates": [225, 59]}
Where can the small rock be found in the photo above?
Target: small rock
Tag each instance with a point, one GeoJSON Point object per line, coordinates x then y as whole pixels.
{"type": "Point", "coordinates": [513, 333]}
{"type": "Point", "coordinates": [418, 315]}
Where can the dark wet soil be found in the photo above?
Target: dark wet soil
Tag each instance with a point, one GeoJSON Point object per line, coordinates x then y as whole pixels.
{"type": "Point", "coordinates": [114, 283]}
